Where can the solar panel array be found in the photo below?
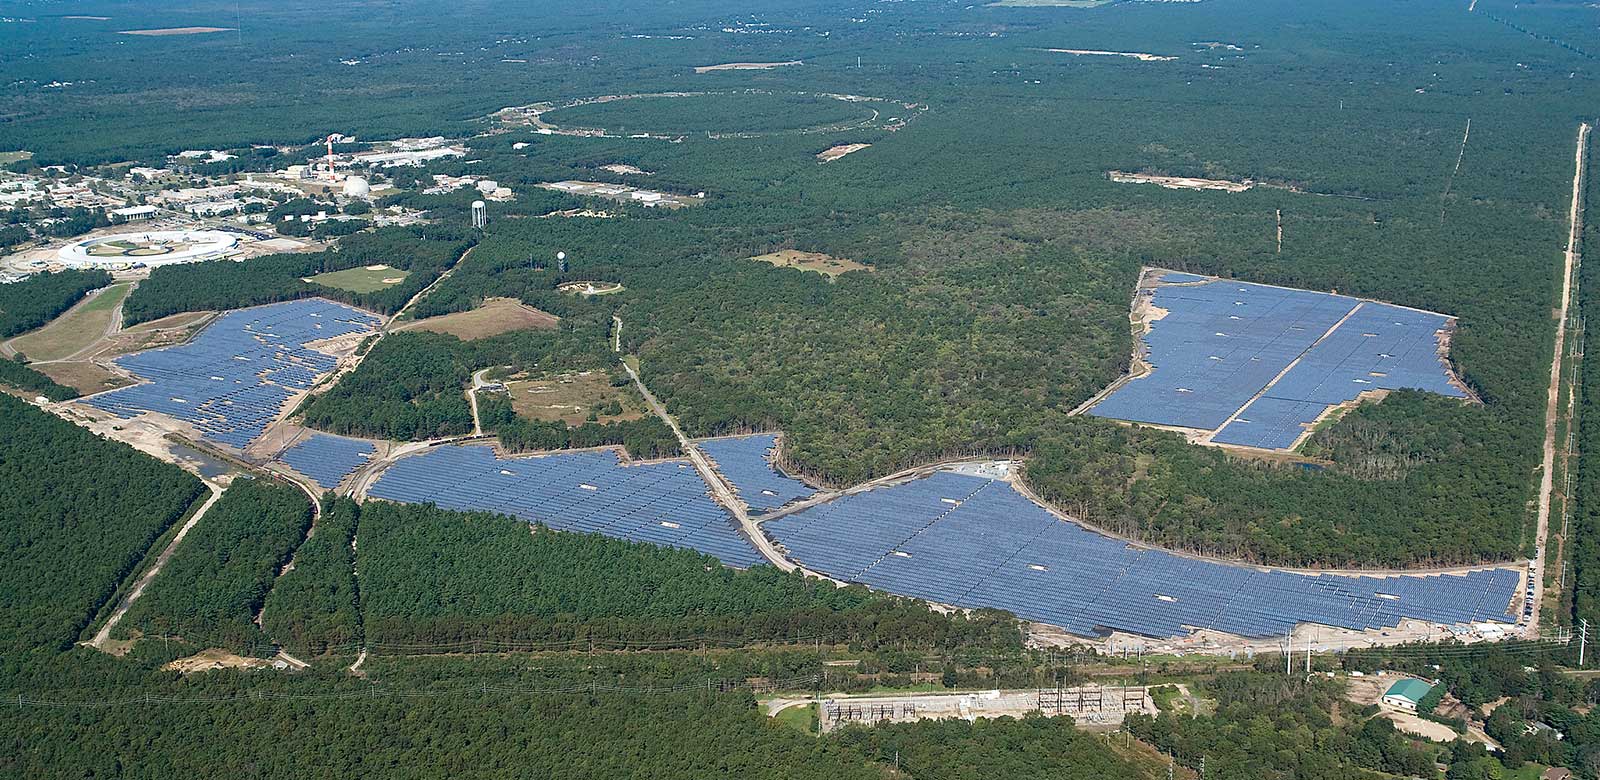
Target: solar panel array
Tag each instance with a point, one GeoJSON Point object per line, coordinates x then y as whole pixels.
{"type": "Point", "coordinates": [327, 460]}
{"type": "Point", "coordinates": [976, 542]}
{"type": "Point", "coordinates": [1222, 343]}
{"type": "Point", "coordinates": [664, 503]}
{"type": "Point", "coordinates": [234, 377]}
{"type": "Point", "coordinates": [746, 462]}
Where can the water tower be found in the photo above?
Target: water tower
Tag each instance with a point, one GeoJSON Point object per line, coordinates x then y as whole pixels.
{"type": "Point", "coordinates": [480, 214]}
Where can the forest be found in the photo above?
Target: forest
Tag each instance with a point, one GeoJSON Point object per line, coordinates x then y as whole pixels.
{"type": "Point", "coordinates": [70, 536]}
{"type": "Point", "coordinates": [14, 373]}
{"type": "Point", "coordinates": [209, 593]}
{"type": "Point", "coordinates": [37, 300]}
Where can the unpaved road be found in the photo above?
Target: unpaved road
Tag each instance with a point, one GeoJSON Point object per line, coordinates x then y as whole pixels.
{"type": "Point", "coordinates": [719, 489]}
{"type": "Point", "coordinates": [103, 636]}
{"type": "Point", "coordinates": [1553, 396]}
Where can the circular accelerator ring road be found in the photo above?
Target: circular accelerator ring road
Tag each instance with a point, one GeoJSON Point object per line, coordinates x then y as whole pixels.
{"type": "Point", "coordinates": [886, 114]}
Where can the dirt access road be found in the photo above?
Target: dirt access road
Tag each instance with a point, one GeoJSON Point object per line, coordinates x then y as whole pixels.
{"type": "Point", "coordinates": [719, 489]}
{"type": "Point", "coordinates": [1552, 400]}
{"type": "Point", "coordinates": [102, 638]}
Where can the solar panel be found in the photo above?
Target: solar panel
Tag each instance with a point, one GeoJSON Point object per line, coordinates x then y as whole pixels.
{"type": "Point", "coordinates": [1221, 344]}
{"type": "Point", "coordinates": [326, 459]}
{"type": "Point", "coordinates": [746, 462]}
{"type": "Point", "coordinates": [976, 542]}
{"type": "Point", "coordinates": [232, 379]}
{"type": "Point", "coordinates": [663, 503]}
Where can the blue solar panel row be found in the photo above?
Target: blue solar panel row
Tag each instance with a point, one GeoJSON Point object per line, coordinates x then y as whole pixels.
{"type": "Point", "coordinates": [233, 378]}
{"type": "Point", "coordinates": [746, 462]}
{"type": "Point", "coordinates": [327, 460]}
{"type": "Point", "coordinates": [663, 503]}
{"type": "Point", "coordinates": [1222, 343]}
{"type": "Point", "coordinates": [975, 542]}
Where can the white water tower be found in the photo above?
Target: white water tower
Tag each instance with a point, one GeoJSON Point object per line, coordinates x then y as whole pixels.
{"type": "Point", "coordinates": [480, 214]}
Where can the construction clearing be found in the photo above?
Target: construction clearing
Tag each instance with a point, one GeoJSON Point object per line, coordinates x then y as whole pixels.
{"type": "Point", "coordinates": [494, 317]}
{"type": "Point", "coordinates": [746, 66]}
{"type": "Point", "coordinates": [835, 152]}
{"type": "Point", "coordinates": [827, 265]}
{"type": "Point", "coordinates": [1180, 182]}
{"type": "Point", "coordinates": [590, 288]}
{"type": "Point", "coordinates": [164, 31]}
{"type": "Point", "coordinates": [1135, 55]}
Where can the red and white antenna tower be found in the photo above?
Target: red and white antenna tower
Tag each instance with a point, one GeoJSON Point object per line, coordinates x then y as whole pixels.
{"type": "Point", "coordinates": [330, 158]}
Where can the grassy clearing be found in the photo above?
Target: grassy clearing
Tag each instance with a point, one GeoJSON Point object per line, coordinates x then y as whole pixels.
{"type": "Point", "coordinates": [495, 316]}
{"type": "Point", "coordinates": [7, 158]}
{"type": "Point", "coordinates": [83, 376]}
{"type": "Point", "coordinates": [570, 397]}
{"type": "Point", "coordinates": [803, 718]}
{"type": "Point", "coordinates": [361, 280]}
{"type": "Point", "coordinates": [826, 265]}
{"type": "Point", "coordinates": [76, 330]}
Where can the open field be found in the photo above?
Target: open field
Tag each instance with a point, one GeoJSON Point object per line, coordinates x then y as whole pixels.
{"type": "Point", "coordinates": [495, 316]}
{"type": "Point", "coordinates": [371, 278]}
{"type": "Point", "coordinates": [568, 397]}
{"type": "Point", "coordinates": [83, 376]}
{"type": "Point", "coordinates": [173, 329]}
{"type": "Point", "coordinates": [76, 330]}
{"type": "Point", "coordinates": [745, 66]}
{"type": "Point", "coordinates": [163, 31]}
{"type": "Point", "coordinates": [6, 158]}
{"type": "Point", "coordinates": [826, 265]}
{"type": "Point", "coordinates": [835, 152]}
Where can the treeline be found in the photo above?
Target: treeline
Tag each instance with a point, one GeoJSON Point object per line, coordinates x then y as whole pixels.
{"type": "Point", "coordinates": [80, 513]}
{"type": "Point", "coordinates": [646, 438]}
{"type": "Point", "coordinates": [209, 592]}
{"type": "Point", "coordinates": [21, 377]}
{"type": "Point", "coordinates": [1580, 548]}
{"type": "Point", "coordinates": [423, 251]}
{"type": "Point", "coordinates": [1268, 727]}
{"type": "Point", "coordinates": [431, 577]}
{"type": "Point", "coordinates": [35, 301]}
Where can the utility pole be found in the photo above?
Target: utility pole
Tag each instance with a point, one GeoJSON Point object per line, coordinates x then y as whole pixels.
{"type": "Point", "coordinates": [1288, 652]}
{"type": "Point", "coordinates": [1583, 640]}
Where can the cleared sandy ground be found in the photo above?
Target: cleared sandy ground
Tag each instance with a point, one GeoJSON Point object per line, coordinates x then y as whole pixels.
{"type": "Point", "coordinates": [176, 31]}
{"type": "Point", "coordinates": [745, 66]}
{"type": "Point", "coordinates": [835, 152]}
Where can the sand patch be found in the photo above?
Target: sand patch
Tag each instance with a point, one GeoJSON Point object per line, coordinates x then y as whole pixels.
{"type": "Point", "coordinates": [626, 170]}
{"type": "Point", "coordinates": [176, 31]}
{"type": "Point", "coordinates": [835, 152]}
{"type": "Point", "coordinates": [1137, 55]}
{"type": "Point", "coordinates": [212, 659]}
{"type": "Point", "coordinates": [745, 66]}
{"type": "Point", "coordinates": [590, 288]}
{"type": "Point", "coordinates": [1180, 182]}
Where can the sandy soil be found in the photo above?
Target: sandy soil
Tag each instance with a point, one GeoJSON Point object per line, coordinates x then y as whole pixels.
{"type": "Point", "coordinates": [1179, 182]}
{"type": "Point", "coordinates": [1137, 55]}
{"type": "Point", "coordinates": [495, 316]}
{"type": "Point", "coordinates": [745, 66]}
{"type": "Point", "coordinates": [626, 170]}
{"type": "Point", "coordinates": [213, 659]}
{"type": "Point", "coordinates": [176, 31]}
{"type": "Point", "coordinates": [590, 288]}
{"type": "Point", "coordinates": [835, 152]}
{"type": "Point", "coordinates": [827, 265]}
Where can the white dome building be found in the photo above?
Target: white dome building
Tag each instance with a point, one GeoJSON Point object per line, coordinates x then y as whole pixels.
{"type": "Point", "coordinates": [356, 187]}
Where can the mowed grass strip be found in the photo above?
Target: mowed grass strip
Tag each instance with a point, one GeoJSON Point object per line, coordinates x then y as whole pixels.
{"type": "Point", "coordinates": [361, 280]}
{"type": "Point", "coordinates": [495, 316]}
{"type": "Point", "coordinates": [76, 330]}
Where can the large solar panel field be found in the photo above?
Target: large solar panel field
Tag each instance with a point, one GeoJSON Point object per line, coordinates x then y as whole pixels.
{"type": "Point", "coordinates": [1255, 365]}
{"type": "Point", "coordinates": [663, 502]}
{"type": "Point", "coordinates": [746, 462]}
{"type": "Point", "coordinates": [233, 378]}
{"type": "Point", "coordinates": [973, 542]}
